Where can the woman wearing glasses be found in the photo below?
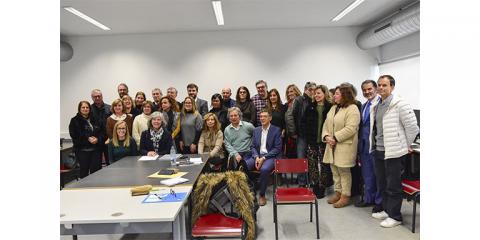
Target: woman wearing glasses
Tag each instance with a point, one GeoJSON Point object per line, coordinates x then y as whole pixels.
{"type": "Point", "coordinates": [122, 143]}
{"type": "Point", "coordinates": [156, 140]}
{"type": "Point", "coordinates": [249, 113]}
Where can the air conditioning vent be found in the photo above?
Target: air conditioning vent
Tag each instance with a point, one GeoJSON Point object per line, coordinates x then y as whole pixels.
{"type": "Point", "coordinates": [404, 23]}
{"type": "Point", "coordinates": [381, 28]}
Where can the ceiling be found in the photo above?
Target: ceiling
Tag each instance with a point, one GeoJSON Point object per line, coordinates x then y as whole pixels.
{"type": "Point", "coordinates": [152, 16]}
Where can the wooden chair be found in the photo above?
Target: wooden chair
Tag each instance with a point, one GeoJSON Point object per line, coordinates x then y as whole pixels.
{"type": "Point", "coordinates": [412, 191]}
{"type": "Point", "coordinates": [293, 195]}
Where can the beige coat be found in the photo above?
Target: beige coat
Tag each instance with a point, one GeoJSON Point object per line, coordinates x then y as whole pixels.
{"type": "Point", "coordinates": [344, 127]}
{"type": "Point", "coordinates": [211, 144]}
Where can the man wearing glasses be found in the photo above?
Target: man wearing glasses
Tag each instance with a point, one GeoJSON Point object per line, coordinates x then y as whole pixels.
{"type": "Point", "coordinates": [260, 99]}
{"type": "Point", "coordinates": [101, 111]}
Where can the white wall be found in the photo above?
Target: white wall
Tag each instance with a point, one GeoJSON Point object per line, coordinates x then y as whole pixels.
{"type": "Point", "coordinates": [407, 79]}
{"type": "Point", "coordinates": [212, 60]}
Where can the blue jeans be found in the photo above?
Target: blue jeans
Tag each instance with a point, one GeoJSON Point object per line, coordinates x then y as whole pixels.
{"type": "Point", "coordinates": [302, 153]}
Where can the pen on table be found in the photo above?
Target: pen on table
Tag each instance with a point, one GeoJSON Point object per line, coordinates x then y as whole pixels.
{"type": "Point", "coordinates": [158, 196]}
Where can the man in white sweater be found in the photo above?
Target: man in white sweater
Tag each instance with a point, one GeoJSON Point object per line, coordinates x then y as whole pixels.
{"type": "Point", "coordinates": [394, 131]}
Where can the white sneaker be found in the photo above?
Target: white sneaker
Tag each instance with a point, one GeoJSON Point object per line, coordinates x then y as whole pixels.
{"type": "Point", "coordinates": [380, 215]}
{"type": "Point", "coordinates": [390, 222]}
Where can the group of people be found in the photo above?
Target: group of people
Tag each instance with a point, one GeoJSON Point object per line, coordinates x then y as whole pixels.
{"type": "Point", "coordinates": [329, 127]}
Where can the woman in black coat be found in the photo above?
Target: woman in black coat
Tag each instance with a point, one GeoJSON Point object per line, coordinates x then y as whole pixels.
{"type": "Point", "coordinates": [156, 140]}
{"type": "Point", "coordinates": [249, 112]}
{"type": "Point", "coordinates": [315, 115]}
{"type": "Point", "coordinates": [87, 135]}
{"type": "Point", "coordinates": [277, 109]}
{"type": "Point", "coordinates": [220, 110]}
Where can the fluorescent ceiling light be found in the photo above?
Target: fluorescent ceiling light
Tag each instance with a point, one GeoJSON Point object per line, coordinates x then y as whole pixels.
{"type": "Point", "coordinates": [217, 8]}
{"type": "Point", "coordinates": [347, 10]}
{"type": "Point", "coordinates": [86, 18]}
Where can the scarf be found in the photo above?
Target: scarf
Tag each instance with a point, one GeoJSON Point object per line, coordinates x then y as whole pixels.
{"type": "Point", "coordinates": [156, 136]}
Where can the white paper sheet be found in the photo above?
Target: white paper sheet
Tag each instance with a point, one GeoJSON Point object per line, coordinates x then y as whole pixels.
{"type": "Point", "coordinates": [148, 158]}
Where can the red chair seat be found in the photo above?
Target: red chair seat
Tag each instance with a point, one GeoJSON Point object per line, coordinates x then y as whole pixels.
{"type": "Point", "coordinates": [411, 187]}
{"type": "Point", "coordinates": [216, 224]}
{"type": "Point", "coordinates": [294, 195]}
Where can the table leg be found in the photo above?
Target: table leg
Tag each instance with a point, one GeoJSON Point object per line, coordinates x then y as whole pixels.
{"type": "Point", "coordinates": [178, 227]}
{"type": "Point", "coordinates": [183, 229]}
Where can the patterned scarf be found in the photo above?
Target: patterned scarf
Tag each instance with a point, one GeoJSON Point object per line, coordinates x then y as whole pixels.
{"type": "Point", "coordinates": [156, 136]}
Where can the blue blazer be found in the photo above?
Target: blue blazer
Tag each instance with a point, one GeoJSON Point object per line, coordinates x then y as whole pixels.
{"type": "Point", "coordinates": [274, 142]}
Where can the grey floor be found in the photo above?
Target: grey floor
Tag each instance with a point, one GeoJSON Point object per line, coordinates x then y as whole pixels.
{"type": "Point", "coordinates": [345, 223]}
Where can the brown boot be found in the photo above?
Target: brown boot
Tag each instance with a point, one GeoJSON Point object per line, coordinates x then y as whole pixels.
{"type": "Point", "coordinates": [334, 198]}
{"type": "Point", "coordinates": [344, 201]}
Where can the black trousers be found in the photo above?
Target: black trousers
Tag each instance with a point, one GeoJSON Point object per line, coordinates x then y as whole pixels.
{"type": "Point", "coordinates": [90, 161]}
{"type": "Point", "coordinates": [389, 183]}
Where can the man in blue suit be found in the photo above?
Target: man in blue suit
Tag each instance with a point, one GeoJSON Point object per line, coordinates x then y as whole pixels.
{"type": "Point", "coordinates": [371, 195]}
{"type": "Point", "coordinates": [266, 147]}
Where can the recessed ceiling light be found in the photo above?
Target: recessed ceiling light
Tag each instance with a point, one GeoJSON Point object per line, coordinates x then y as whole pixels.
{"type": "Point", "coordinates": [347, 10]}
{"type": "Point", "coordinates": [217, 8]}
{"type": "Point", "coordinates": [86, 18]}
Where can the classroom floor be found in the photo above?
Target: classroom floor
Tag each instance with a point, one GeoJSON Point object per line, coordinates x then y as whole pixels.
{"type": "Point", "coordinates": [342, 224]}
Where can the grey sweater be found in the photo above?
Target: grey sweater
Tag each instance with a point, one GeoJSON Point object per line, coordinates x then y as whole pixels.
{"type": "Point", "coordinates": [190, 128]}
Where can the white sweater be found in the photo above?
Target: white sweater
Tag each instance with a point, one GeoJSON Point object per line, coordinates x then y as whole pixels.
{"type": "Point", "coordinates": [399, 128]}
{"type": "Point", "coordinates": [140, 124]}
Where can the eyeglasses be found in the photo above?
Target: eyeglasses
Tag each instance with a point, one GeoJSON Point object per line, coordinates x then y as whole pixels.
{"type": "Point", "coordinates": [172, 192]}
{"type": "Point", "coordinates": [242, 92]}
{"type": "Point", "coordinates": [121, 128]}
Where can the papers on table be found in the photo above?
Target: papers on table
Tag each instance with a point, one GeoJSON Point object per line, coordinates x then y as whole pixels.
{"type": "Point", "coordinates": [169, 158]}
{"type": "Point", "coordinates": [196, 160]}
{"type": "Point", "coordinates": [165, 197]}
{"type": "Point", "coordinates": [148, 158]}
{"type": "Point", "coordinates": [173, 181]}
{"type": "Point", "coordinates": [178, 174]}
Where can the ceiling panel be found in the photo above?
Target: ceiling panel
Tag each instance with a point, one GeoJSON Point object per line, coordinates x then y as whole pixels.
{"type": "Point", "coordinates": [151, 16]}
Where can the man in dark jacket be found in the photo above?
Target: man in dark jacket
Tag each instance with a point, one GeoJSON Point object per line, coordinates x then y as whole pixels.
{"type": "Point", "coordinates": [101, 111]}
{"type": "Point", "coordinates": [202, 105]}
{"type": "Point", "coordinates": [299, 106]}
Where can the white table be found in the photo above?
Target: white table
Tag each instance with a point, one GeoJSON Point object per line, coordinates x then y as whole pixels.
{"type": "Point", "coordinates": [114, 211]}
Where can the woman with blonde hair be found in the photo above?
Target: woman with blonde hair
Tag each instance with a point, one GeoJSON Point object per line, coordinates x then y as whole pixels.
{"type": "Point", "coordinates": [340, 133]}
{"type": "Point", "coordinates": [130, 106]}
{"type": "Point", "coordinates": [118, 114]}
{"type": "Point", "coordinates": [190, 127]}
{"type": "Point", "coordinates": [211, 141]}
{"type": "Point", "coordinates": [122, 143]}
{"type": "Point", "coordinates": [290, 143]}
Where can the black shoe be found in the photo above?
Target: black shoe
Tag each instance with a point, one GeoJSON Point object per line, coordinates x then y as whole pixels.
{"type": "Point", "coordinates": [377, 208]}
{"type": "Point", "coordinates": [362, 204]}
{"type": "Point", "coordinates": [319, 191]}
